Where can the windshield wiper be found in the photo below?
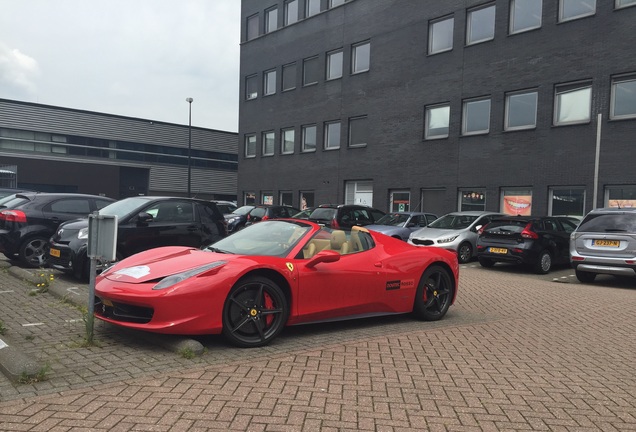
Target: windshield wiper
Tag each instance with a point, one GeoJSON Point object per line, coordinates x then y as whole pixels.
{"type": "Point", "coordinates": [217, 250]}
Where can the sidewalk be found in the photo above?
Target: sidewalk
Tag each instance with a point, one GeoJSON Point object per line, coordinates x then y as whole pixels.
{"type": "Point", "coordinates": [513, 354]}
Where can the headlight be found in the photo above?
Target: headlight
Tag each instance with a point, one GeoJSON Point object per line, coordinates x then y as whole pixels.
{"type": "Point", "coordinates": [176, 278]}
{"type": "Point", "coordinates": [82, 234]}
{"type": "Point", "coordinates": [232, 220]}
{"type": "Point", "coordinates": [447, 239]}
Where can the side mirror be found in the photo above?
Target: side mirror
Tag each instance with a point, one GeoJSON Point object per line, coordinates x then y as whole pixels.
{"type": "Point", "coordinates": [143, 218]}
{"type": "Point", "coordinates": [476, 228]}
{"type": "Point", "coordinates": [325, 256]}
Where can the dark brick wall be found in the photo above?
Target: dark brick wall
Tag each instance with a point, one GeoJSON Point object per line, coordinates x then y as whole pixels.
{"type": "Point", "coordinates": [403, 79]}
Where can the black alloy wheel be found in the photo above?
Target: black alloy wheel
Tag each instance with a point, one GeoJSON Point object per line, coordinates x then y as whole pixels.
{"type": "Point", "coordinates": [255, 312]}
{"type": "Point", "coordinates": [464, 253]}
{"type": "Point", "coordinates": [434, 294]}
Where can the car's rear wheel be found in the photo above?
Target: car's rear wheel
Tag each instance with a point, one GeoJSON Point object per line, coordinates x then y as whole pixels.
{"type": "Point", "coordinates": [485, 262]}
{"type": "Point", "coordinates": [255, 312]}
{"type": "Point", "coordinates": [464, 253]}
{"type": "Point", "coordinates": [434, 294]}
{"type": "Point", "coordinates": [544, 263]}
{"type": "Point", "coordinates": [585, 277]}
{"type": "Point", "coordinates": [34, 252]}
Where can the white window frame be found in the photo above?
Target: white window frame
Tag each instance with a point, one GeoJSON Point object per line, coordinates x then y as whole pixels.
{"type": "Point", "coordinates": [469, 24]}
{"type": "Point", "coordinates": [284, 140]}
{"type": "Point", "coordinates": [252, 19]}
{"type": "Point", "coordinates": [332, 137]}
{"type": "Point", "coordinates": [431, 35]}
{"type": "Point", "coordinates": [250, 147]}
{"type": "Point", "coordinates": [616, 81]}
{"type": "Point", "coordinates": [356, 55]}
{"type": "Point", "coordinates": [291, 12]}
{"type": "Point", "coordinates": [620, 4]}
{"type": "Point", "coordinates": [271, 19]}
{"type": "Point", "coordinates": [565, 90]}
{"type": "Point", "coordinates": [562, 7]}
{"type": "Point", "coordinates": [312, 7]}
{"type": "Point", "coordinates": [304, 130]}
{"type": "Point", "coordinates": [428, 117]}
{"type": "Point", "coordinates": [269, 82]}
{"type": "Point", "coordinates": [511, 95]}
{"type": "Point", "coordinates": [334, 71]}
{"type": "Point", "coordinates": [269, 143]}
{"type": "Point", "coordinates": [513, 13]}
{"type": "Point", "coordinates": [253, 95]}
{"type": "Point", "coordinates": [466, 112]}
{"type": "Point", "coordinates": [358, 120]}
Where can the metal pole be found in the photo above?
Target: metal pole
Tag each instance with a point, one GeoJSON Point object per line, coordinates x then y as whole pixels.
{"type": "Point", "coordinates": [189, 100]}
{"type": "Point", "coordinates": [597, 160]}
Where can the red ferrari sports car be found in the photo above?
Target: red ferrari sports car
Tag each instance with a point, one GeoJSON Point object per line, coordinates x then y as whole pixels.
{"type": "Point", "coordinates": [250, 285]}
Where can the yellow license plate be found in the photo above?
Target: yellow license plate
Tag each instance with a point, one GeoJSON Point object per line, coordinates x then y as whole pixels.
{"type": "Point", "coordinates": [606, 243]}
{"type": "Point", "coordinates": [498, 250]}
{"type": "Point", "coordinates": [54, 252]}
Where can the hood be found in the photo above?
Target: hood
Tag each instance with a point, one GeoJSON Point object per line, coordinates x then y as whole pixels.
{"type": "Point", "coordinates": [433, 233]}
{"type": "Point", "coordinates": [155, 264]}
{"type": "Point", "coordinates": [75, 224]}
{"type": "Point", "coordinates": [384, 229]}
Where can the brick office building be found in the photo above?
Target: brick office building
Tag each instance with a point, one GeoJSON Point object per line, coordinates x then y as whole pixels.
{"type": "Point", "coordinates": [509, 105]}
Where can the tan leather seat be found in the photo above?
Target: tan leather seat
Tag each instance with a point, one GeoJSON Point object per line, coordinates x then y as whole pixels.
{"type": "Point", "coordinates": [339, 242]}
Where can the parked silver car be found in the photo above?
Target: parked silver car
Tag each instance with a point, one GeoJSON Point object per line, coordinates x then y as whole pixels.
{"type": "Point", "coordinates": [604, 243]}
{"type": "Point", "coordinates": [402, 224]}
{"type": "Point", "coordinates": [455, 231]}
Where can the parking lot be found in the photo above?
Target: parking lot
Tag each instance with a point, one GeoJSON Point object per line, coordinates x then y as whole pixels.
{"type": "Point", "coordinates": [517, 351]}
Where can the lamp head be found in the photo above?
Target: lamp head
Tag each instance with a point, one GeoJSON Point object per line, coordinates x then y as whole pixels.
{"type": "Point", "coordinates": [189, 100]}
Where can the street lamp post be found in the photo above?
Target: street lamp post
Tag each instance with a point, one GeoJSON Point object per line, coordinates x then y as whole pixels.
{"type": "Point", "coordinates": [189, 101]}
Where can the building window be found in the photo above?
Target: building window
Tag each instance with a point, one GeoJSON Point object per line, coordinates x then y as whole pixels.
{"type": "Point", "coordinates": [360, 57]}
{"type": "Point", "coordinates": [289, 77]}
{"type": "Point", "coordinates": [271, 20]}
{"type": "Point", "coordinates": [252, 27]}
{"type": "Point", "coordinates": [521, 110]}
{"type": "Point", "coordinates": [620, 196]}
{"type": "Point", "coordinates": [332, 135]}
{"type": "Point", "coordinates": [251, 87]}
{"type": "Point", "coordinates": [437, 121]}
{"type": "Point", "coordinates": [306, 200]}
{"type": "Point", "coordinates": [359, 192]}
{"type": "Point", "coordinates": [525, 15]}
{"type": "Point", "coordinates": [250, 146]}
{"type": "Point", "coordinates": [334, 65]}
{"type": "Point", "coordinates": [285, 198]}
{"type": "Point", "coordinates": [572, 104]}
{"type": "Point", "coordinates": [312, 7]}
{"type": "Point", "coordinates": [625, 3]}
{"type": "Point", "coordinates": [309, 138]}
{"type": "Point", "coordinates": [310, 71]}
{"type": "Point", "coordinates": [400, 201]}
{"type": "Point", "coordinates": [267, 198]}
{"type": "Point", "coordinates": [476, 117]}
{"type": "Point", "coordinates": [268, 143]}
{"type": "Point", "coordinates": [480, 25]}
{"type": "Point", "coordinates": [516, 202]}
{"type": "Point", "coordinates": [269, 82]}
{"type": "Point", "coordinates": [472, 200]}
{"type": "Point", "coordinates": [291, 11]}
{"type": "Point", "coordinates": [623, 104]}
{"type": "Point", "coordinates": [567, 202]}
{"type": "Point", "coordinates": [287, 141]}
{"type": "Point", "coordinates": [334, 3]}
{"type": "Point", "coordinates": [440, 35]}
{"type": "Point", "coordinates": [575, 9]}
{"type": "Point", "coordinates": [249, 198]}
{"type": "Point", "coordinates": [358, 131]}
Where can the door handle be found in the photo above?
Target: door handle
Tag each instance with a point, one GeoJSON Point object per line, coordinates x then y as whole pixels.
{"type": "Point", "coordinates": [378, 264]}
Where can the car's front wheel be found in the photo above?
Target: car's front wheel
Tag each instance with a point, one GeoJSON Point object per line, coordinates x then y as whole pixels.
{"type": "Point", "coordinates": [434, 294]}
{"type": "Point", "coordinates": [255, 312]}
{"type": "Point", "coordinates": [34, 252]}
{"type": "Point", "coordinates": [585, 277]}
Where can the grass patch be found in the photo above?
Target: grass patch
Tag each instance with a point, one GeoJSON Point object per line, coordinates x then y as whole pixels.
{"type": "Point", "coordinates": [3, 329]}
{"type": "Point", "coordinates": [38, 377]}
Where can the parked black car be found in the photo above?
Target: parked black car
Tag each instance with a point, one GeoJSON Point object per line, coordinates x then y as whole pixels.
{"type": "Point", "coordinates": [265, 212]}
{"type": "Point", "coordinates": [345, 215]}
{"type": "Point", "coordinates": [538, 242]}
{"type": "Point", "coordinates": [144, 222]}
{"type": "Point", "coordinates": [237, 219]}
{"type": "Point", "coordinates": [29, 219]}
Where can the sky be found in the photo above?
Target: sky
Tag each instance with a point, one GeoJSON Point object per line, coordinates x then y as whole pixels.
{"type": "Point", "coordinates": [135, 58]}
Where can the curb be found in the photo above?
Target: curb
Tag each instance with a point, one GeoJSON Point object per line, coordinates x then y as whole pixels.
{"type": "Point", "coordinates": [18, 367]}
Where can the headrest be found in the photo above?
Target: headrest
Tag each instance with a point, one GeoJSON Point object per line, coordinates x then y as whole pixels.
{"type": "Point", "coordinates": [338, 238]}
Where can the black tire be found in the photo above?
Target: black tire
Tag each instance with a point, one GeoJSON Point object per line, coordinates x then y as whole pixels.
{"type": "Point", "coordinates": [434, 294]}
{"type": "Point", "coordinates": [485, 262]}
{"type": "Point", "coordinates": [585, 277]}
{"type": "Point", "coordinates": [255, 312]}
{"type": "Point", "coordinates": [34, 252]}
{"type": "Point", "coordinates": [544, 262]}
{"type": "Point", "coordinates": [464, 253]}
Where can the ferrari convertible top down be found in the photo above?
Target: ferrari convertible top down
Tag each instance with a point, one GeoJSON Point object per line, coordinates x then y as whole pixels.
{"type": "Point", "coordinates": [252, 284]}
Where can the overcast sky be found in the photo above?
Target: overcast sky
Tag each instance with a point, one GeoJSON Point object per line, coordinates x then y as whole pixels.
{"type": "Point", "coordinates": [137, 58]}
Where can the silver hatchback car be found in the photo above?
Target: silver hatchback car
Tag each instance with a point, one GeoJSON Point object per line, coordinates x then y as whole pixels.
{"type": "Point", "coordinates": [455, 231]}
{"type": "Point", "coordinates": [604, 243]}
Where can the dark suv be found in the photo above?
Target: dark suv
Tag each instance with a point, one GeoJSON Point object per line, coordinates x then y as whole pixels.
{"type": "Point", "coordinates": [143, 222]}
{"type": "Point", "coordinates": [538, 242]}
{"type": "Point", "coordinates": [345, 215]}
{"type": "Point", "coordinates": [604, 243]}
{"type": "Point", "coordinates": [29, 219]}
{"type": "Point", "coordinates": [264, 212]}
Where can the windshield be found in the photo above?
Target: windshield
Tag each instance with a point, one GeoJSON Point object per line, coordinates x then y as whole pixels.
{"type": "Point", "coordinates": [393, 219]}
{"type": "Point", "coordinates": [243, 210]}
{"type": "Point", "coordinates": [226, 208]}
{"type": "Point", "coordinates": [269, 238]}
{"type": "Point", "coordinates": [453, 221]}
{"type": "Point", "coordinates": [123, 207]}
{"type": "Point", "coordinates": [609, 222]}
{"type": "Point", "coordinates": [12, 201]}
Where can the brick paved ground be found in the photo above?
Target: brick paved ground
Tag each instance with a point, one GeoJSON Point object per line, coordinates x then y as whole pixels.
{"type": "Point", "coordinates": [515, 353]}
